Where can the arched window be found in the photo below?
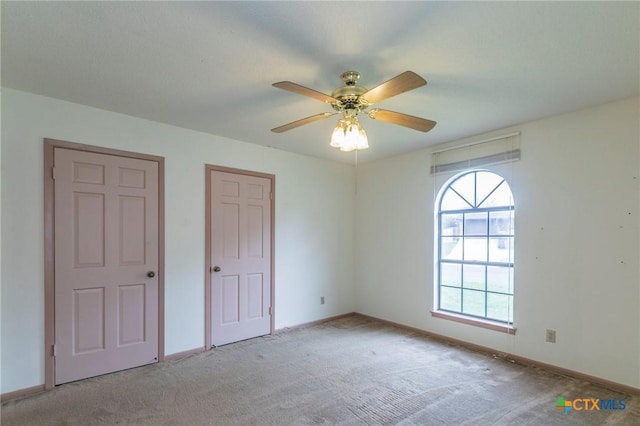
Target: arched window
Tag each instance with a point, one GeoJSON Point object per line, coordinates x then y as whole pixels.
{"type": "Point", "coordinates": [475, 220]}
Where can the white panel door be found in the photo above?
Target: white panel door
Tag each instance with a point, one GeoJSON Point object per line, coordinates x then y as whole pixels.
{"type": "Point", "coordinates": [106, 261]}
{"type": "Point", "coordinates": [241, 257]}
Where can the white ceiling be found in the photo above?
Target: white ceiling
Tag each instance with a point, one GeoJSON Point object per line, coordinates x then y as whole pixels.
{"type": "Point", "coordinates": [209, 66]}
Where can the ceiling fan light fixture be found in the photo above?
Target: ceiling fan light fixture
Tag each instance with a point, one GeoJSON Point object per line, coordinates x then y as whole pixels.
{"type": "Point", "coordinates": [349, 135]}
{"type": "Point", "coordinates": [351, 99]}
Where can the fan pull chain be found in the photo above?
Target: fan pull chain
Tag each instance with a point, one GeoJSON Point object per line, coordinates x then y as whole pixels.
{"type": "Point", "coordinates": [356, 183]}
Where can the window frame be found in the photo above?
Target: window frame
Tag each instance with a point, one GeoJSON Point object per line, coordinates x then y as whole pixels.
{"type": "Point", "coordinates": [485, 321]}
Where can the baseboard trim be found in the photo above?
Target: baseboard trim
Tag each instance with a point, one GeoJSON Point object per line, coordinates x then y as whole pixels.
{"type": "Point", "coordinates": [615, 386]}
{"type": "Point", "coordinates": [184, 354]}
{"type": "Point", "coordinates": [21, 393]}
{"type": "Point", "coordinates": [312, 323]}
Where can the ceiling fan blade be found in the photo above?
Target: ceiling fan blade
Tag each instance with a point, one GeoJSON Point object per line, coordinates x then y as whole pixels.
{"type": "Point", "coordinates": [302, 121]}
{"type": "Point", "coordinates": [416, 123]}
{"type": "Point", "coordinates": [305, 91]}
{"type": "Point", "coordinates": [404, 82]}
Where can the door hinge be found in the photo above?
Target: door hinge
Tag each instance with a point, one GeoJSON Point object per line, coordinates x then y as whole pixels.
{"type": "Point", "coordinates": [271, 196]}
{"type": "Point", "coordinates": [270, 310]}
{"type": "Point", "coordinates": [53, 350]}
{"type": "Point", "coordinates": [53, 173]}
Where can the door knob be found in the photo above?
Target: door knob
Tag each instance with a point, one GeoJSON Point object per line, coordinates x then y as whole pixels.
{"type": "Point", "coordinates": [216, 269]}
{"type": "Point", "coordinates": [151, 274]}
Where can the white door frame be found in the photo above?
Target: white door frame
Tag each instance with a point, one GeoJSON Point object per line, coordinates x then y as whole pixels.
{"type": "Point", "coordinates": [209, 169]}
{"type": "Point", "coordinates": [49, 246]}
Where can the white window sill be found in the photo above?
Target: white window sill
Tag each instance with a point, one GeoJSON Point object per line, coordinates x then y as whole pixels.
{"type": "Point", "coordinates": [476, 322]}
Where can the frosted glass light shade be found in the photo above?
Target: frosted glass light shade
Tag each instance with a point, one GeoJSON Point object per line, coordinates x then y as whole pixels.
{"type": "Point", "coordinates": [349, 135]}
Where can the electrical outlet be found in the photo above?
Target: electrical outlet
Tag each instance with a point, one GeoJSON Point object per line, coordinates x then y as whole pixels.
{"type": "Point", "coordinates": [551, 336]}
{"type": "Point", "coordinates": [322, 300]}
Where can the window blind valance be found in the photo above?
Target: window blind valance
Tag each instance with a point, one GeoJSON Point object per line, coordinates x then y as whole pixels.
{"type": "Point", "coordinates": [496, 150]}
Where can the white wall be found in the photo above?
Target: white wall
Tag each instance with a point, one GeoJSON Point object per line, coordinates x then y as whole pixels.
{"type": "Point", "coordinates": [313, 230]}
{"type": "Point", "coordinates": [577, 243]}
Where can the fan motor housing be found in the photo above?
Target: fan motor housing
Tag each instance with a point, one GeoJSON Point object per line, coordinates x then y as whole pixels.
{"type": "Point", "coordinates": [349, 97]}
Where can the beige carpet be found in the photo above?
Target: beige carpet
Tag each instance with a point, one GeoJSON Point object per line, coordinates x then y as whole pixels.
{"type": "Point", "coordinates": [351, 371]}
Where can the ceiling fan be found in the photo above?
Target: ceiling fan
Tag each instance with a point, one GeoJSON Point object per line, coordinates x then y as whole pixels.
{"type": "Point", "coordinates": [351, 99]}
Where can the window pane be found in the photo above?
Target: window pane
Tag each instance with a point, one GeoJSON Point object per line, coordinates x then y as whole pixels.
{"type": "Point", "coordinates": [473, 302]}
{"type": "Point", "coordinates": [451, 248]}
{"type": "Point", "coordinates": [500, 279]}
{"type": "Point", "coordinates": [501, 197]}
{"type": "Point", "coordinates": [451, 224]}
{"type": "Point", "coordinates": [501, 249]}
{"type": "Point", "coordinates": [500, 307]}
{"type": "Point", "coordinates": [452, 201]}
{"type": "Point", "coordinates": [475, 249]}
{"type": "Point", "coordinates": [466, 187]}
{"type": "Point", "coordinates": [450, 299]}
{"type": "Point", "coordinates": [451, 274]}
{"type": "Point", "coordinates": [486, 182]}
{"type": "Point", "coordinates": [475, 223]}
{"type": "Point", "coordinates": [469, 240]}
{"type": "Point", "coordinates": [473, 276]}
{"type": "Point", "coordinates": [501, 222]}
